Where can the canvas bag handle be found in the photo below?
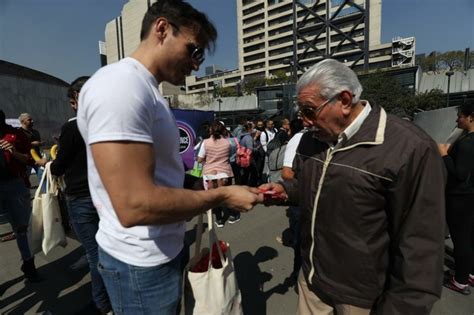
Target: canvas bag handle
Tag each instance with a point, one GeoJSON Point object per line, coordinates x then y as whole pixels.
{"type": "Point", "coordinates": [51, 183]}
{"type": "Point", "coordinates": [213, 239]}
{"type": "Point", "coordinates": [40, 185]}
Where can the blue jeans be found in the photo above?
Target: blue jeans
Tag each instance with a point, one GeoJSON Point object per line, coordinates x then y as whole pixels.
{"type": "Point", "coordinates": [16, 204]}
{"type": "Point", "coordinates": [142, 290]}
{"type": "Point", "coordinates": [85, 222]}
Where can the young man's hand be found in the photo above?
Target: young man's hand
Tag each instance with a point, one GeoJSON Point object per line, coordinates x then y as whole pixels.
{"type": "Point", "coordinates": [241, 198]}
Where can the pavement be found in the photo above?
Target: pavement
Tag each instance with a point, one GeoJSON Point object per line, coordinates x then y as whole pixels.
{"type": "Point", "coordinates": [262, 264]}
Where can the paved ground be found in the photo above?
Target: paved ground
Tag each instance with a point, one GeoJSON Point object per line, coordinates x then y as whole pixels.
{"type": "Point", "coordinates": [260, 261]}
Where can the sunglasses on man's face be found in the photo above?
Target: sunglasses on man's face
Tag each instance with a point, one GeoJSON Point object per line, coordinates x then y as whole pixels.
{"type": "Point", "coordinates": [195, 52]}
{"type": "Point", "coordinates": [311, 113]}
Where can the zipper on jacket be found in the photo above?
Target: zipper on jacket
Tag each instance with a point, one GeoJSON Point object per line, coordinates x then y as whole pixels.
{"type": "Point", "coordinates": [313, 220]}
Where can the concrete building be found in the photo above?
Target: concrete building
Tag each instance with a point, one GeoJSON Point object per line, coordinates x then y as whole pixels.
{"type": "Point", "coordinates": [41, 95]}
{"type": "Point", "coordinates": [267, 40]}
{"type": "Point", "coordinates": [349, 31]}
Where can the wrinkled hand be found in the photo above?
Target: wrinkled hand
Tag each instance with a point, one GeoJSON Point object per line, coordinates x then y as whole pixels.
{"type": "Point", "coordinates": [7, 146]}
{"type": "Point", "coordinates": [277, 189]}
{"type": "Point", "coordinates": [241, 198]}
{"type": "Point", "coordinates": [443, 148]}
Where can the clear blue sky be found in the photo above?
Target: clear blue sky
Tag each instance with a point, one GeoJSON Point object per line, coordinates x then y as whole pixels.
{"type": "Point", "coordinates": [60, 37]}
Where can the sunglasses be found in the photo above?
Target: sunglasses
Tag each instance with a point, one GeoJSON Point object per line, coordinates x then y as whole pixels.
{"type": "Point", "coordinates": [311, 113]}
{"type": "Point", "coordinates": [195, 52]}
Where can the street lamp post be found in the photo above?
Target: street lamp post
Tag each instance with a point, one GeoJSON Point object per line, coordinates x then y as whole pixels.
{"type": "Point", "coordinates": [219, 100]}
{"type": "Point", "coordinates": [294, 69]}
{"type": "Point", "coordinates": [449, 74]}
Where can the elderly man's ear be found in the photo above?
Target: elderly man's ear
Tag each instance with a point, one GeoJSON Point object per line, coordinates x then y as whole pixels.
{"type": "Point", "coordinates": [345, 97]}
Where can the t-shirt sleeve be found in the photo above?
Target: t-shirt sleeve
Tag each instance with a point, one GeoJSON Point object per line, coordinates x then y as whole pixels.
{"type": "Point", "coordinates": [291, 150]}
{"type": "Point", "coordinates": [121, 110]}
{"type": "Point", "coordinates": [202, 150]}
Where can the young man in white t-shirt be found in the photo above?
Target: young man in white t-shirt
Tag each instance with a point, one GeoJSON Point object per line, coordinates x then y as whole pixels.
{"type": "Point", "coordinates": [135, 171]}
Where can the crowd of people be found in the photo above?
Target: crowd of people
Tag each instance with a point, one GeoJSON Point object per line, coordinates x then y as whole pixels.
{"type": "Point", "coordinates": [366, 189]}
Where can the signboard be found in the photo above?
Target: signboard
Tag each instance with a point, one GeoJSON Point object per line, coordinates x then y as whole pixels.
{"type": "Point", "coordinates": [190, 123]}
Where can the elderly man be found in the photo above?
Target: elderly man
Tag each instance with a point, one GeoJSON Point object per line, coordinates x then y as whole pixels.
{"type": "Point", "coordinates": [371, 189]}
{"type": "Point", "coordinates": [135, 172]}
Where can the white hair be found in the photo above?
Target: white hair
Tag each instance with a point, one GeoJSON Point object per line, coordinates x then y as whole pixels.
{"type": "Point", "coordinates": [332, 77]}
{"type": "Point", "coordinates": [24, 116]}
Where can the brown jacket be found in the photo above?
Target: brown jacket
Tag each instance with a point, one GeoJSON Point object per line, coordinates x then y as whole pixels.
{"type": "Point", "coordinates": [372, 217]}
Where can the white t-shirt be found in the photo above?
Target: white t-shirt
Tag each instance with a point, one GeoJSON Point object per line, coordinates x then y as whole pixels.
{"type": "Point", "coordinates": [263, 138]}
{"type": "Point", "coordinates": [121, 102]}
{"type": "Point", "coordinates": [291, 149]}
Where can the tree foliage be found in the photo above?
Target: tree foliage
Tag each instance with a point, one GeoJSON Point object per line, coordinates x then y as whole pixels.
{"type": "Point", "coordinates": [226, 91]}
{"type": "Point", "coordinates": [387, 92]}
{"type": "Point", "coordinates": [450, 60]}
{"type": "Point", "coordinates": [250, 84]}
{"type": "Point", "coordinates": [278, 77]}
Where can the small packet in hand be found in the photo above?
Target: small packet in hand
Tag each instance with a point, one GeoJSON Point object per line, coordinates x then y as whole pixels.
{"type": "Point", "coordinates": [271, 195]}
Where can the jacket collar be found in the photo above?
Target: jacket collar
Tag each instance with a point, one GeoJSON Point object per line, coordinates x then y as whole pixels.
{"type": "Point", "coordinates": [372, 131]}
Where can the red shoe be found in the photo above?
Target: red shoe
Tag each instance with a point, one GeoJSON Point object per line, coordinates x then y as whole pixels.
{"type": "Point", "coordinates": [450, 284]}
{"type": "Point", "coordinates": [470, 281]}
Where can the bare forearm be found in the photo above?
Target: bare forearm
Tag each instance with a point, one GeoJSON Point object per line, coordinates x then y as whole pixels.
{"type": "Point", "coordinates": [165, 205]}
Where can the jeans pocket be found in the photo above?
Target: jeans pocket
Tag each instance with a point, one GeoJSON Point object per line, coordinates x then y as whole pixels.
{"type": "Point", "coordinates": [111, 280]}
{"type": "Point", "coordinates": [159, 286]}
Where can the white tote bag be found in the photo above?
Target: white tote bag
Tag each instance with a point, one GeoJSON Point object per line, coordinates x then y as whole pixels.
{"type": "Point", "coordinates": [46, 223]}
{"type": "Point", "coordinates": [215, 291]}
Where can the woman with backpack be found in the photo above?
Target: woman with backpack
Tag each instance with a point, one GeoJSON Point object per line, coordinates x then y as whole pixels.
{"type": "Point", "coordinates": [250, 174]}
{"type": "Point", "coordinates": [214, 154]}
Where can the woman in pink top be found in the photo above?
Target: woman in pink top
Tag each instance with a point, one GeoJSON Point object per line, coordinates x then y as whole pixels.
{"type": "Point", "coordinates": [217, 171]}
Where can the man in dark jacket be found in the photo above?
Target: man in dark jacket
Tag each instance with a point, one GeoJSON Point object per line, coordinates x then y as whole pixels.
{"type": "Point", "coordinates": [371, 189]}
{"type": "Point", "coordinates": [71, 161]}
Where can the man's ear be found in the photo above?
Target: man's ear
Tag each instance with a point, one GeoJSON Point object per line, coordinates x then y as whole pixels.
{"type": "Point", "coordinates": [345, 97]}
{"type": "Point", "coordinates": [161, 28]}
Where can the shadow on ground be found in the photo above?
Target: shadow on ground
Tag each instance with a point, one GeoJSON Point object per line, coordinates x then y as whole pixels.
{"type": "Point", "coordinates": [251, 280]}
{"type": "Point", "coordinates": [57, 276]}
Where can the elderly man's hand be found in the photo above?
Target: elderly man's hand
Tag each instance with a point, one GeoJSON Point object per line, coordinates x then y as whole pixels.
{"type": "Point", "coordinates": [241, 198]}
{"type": "Point", "coordinates": [273, 194]}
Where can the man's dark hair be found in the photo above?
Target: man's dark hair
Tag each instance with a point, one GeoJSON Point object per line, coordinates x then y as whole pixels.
{"type": "Point", "coordinates": [248, 126]}
{"type": "Point", "coordinates": [180, 13]}
{"type": "Point", "coordinates": [467, 109]}
{"type": "Point", "coordinates": [76, 86]}
{"type": "Point", "coordinates": [296, 125]}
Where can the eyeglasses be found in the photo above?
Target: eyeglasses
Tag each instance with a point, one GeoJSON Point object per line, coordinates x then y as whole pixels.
{"type": "Point", "coordinates": [195, 52]}
{"type": "Point", "coordinates": [311, 113]}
